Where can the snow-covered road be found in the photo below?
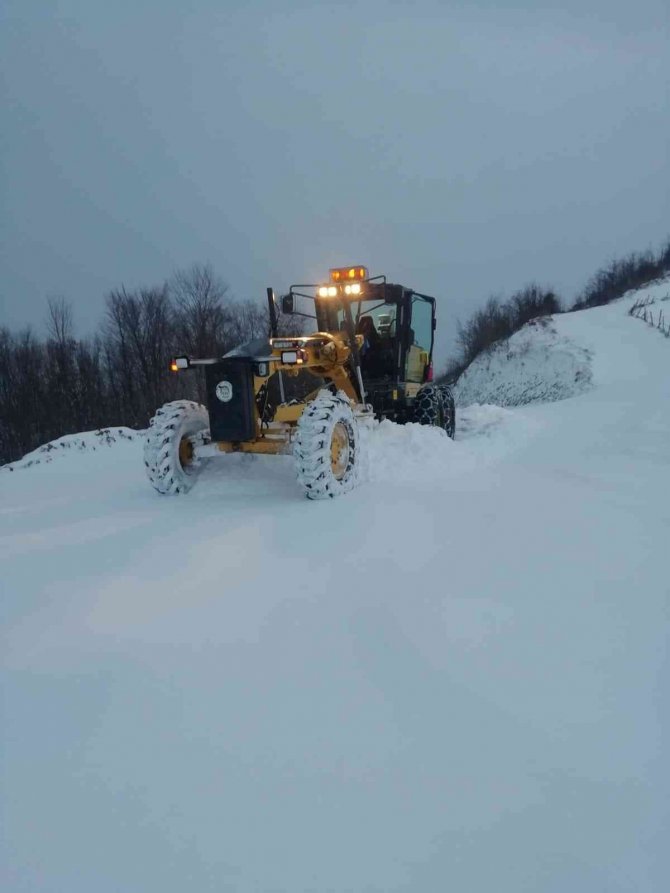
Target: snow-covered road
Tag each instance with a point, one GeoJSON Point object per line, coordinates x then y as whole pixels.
{"type": "Point", "coordinates": [454, 678]}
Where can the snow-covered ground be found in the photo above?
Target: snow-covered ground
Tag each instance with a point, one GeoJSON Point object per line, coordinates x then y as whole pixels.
{"type": "Point", "coordinates": [455, 678]}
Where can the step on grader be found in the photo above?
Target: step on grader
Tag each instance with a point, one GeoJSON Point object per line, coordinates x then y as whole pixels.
{"type": "Point", "coordinates": [371, 357]}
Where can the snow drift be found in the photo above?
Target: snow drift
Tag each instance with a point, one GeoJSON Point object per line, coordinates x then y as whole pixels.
{"type": "Point", "coordinates": [84, 442]}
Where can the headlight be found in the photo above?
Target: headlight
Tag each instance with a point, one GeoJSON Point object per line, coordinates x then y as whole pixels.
{"type": "Point", "coordinates": [293, 357]}
{"type": "Point", "coordinates": [179, 363]}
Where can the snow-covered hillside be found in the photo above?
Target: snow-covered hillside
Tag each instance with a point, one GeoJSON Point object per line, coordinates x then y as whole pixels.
{"type": "Point", "coordinates": [455, 678]}
{"type": "Point", "coordinates": [550, 358]}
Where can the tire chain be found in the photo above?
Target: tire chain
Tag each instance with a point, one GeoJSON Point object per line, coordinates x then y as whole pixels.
{"type": "Point", "coordinates": [433, 404]}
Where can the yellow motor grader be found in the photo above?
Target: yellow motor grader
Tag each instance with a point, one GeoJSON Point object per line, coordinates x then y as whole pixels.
{"type": "Point", "coordinates": [371, 357]}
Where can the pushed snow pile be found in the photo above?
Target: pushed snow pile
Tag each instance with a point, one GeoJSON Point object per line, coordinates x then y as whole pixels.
{"type": "Point", "coordinates": [84, 442]}
{"type": "Point", "coordinates": [418, 454]}
{"type": "Point", "coordinates": [406, 452]}
{"type": "Point", "coordinates": [535, 365]}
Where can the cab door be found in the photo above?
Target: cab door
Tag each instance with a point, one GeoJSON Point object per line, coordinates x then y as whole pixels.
{"type": "Point", "coordinates": [420, 338]}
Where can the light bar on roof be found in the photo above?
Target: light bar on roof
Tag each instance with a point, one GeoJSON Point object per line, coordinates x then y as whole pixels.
{"type": "Point", "coordinates": [348, 274]}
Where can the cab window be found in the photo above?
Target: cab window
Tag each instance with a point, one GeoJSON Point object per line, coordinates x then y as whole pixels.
{"type": "Point", "coordinates": [383, 316]}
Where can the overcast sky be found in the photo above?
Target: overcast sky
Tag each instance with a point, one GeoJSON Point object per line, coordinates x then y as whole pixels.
{"type": "Point", "coordinates": [462, 148]}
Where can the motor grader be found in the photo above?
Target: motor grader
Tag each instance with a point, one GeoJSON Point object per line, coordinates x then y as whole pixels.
{"type": "Point", "coordinates": [370, 357]}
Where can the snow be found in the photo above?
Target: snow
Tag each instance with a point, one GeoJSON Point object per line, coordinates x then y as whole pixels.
{"type": "Point", "coordinates": [453, 678]}
{"type": "Point", "coordinates": [84, 442]}
{"type": "Point", "coordinates": [535, 365]}
{"type": "Point", "coordinates": [552, 358]}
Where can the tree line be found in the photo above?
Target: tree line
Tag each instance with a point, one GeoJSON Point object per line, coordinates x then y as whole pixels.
{"type": "Point", "coordinates": [61, 384]}
{"type": "Point", "coordinates": [622, 275]}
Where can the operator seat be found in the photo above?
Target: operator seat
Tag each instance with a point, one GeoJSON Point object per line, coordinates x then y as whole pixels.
{"type": "Point", "coordinates": [374, 352]}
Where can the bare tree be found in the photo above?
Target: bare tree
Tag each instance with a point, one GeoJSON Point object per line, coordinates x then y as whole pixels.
{"type": "Point", "coordinates": [59, 321]}
{"type": "Point", "coordinates": [140, 340]}
{"type": "Point", "coordinates": [60, 411]}
{"type": "Point", "coordinates": [200, 318]}
{"type": "Point", "coordinates": [245, 321]}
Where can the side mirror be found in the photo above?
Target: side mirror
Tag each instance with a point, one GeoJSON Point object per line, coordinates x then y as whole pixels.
{"type": "Point", "coordinates": [287, 304]}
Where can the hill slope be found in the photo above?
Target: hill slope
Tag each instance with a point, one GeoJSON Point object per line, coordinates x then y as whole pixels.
{"type": "Point", "coordinates": [552, 358]}
{"type": "Point", "coordinates": [451, 679]}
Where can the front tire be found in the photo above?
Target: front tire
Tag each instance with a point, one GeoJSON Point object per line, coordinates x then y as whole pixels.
{"type": "Point", "coordinates": [434, 405]}
{"type": "Point", "coordinates": [327, 449]}
{"type": "Point", "coordinates": [168, 448]}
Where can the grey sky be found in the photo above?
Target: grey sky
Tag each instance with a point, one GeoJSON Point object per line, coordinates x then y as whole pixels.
{"type": "Point", "coordinates": [461, 148]}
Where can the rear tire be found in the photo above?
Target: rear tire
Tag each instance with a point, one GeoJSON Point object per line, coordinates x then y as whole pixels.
{"type": "Point", "coordinates": [449, 406]}
{"type": "Point", "coordinates": [434, 405]}
{"type": "Point", "coordinates": [327, 448]}
{"type": "Point", "coordinates": [168, 449]}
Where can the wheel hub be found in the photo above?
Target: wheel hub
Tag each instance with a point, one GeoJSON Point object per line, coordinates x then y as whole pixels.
{"type": "Point", "coordinates": [185, 452]}
{"type": "Point", "coordinates": [340, 449]}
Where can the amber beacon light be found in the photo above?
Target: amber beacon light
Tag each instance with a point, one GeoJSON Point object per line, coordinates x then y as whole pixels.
{"type": "Point", "coordinates": [348, 274]}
